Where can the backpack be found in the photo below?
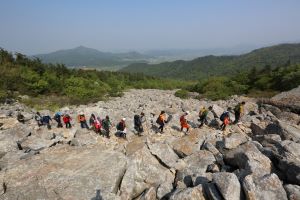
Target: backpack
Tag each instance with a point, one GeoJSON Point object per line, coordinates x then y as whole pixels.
{"type": "Point", "coordinates": [120, 126]}
{"type": "Point", "coordinates": [237, 108]}
{"type": "Point", "coordinates": [158, 120]}
{"type": "Point", "coordinates": [224, 114]}
{"type": "Point", "coordinates": [57, 116]}
{"type": "Point", "coordinates": [137, 120]}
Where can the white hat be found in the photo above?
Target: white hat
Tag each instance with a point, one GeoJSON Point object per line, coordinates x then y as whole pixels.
{"type": "Point", "coordinates": [81, 113]}
{"type": "Point", "coordinates": [187, 112]}
{"type": "Point", "coordinates": [124, 119]}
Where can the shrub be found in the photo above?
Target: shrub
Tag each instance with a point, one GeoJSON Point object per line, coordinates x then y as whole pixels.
{"type": "Point", "coordinates": [182, 93]}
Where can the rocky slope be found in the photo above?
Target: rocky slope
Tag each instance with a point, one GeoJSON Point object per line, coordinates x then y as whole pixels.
{"type": "Point", "coordinates": [258, 158]}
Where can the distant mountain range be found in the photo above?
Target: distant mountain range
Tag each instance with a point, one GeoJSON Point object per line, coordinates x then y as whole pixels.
{"type": "Point", "coordinates": [83, 56]}
{"type": "Point", "coordinates": [220, 65]}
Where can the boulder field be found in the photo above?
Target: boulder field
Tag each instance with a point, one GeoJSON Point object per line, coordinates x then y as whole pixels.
{"type": "Point", "coordinates": [255, 159]}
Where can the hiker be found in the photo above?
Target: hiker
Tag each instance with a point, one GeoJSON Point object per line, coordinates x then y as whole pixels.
{"type": "Point", "coordinates": [92, 121]}
{"type": "Point", "coordinates": [97, 125]}
{"type": "Point", "coordinates": [106, 126]}
{"type": "Point", "coordinates": [183, 122]}
{"type": "Point", "coordinates": [161, 120]}
{"type": "Point", "coordinates": [82, 121]}
{"type": "Point", "coordinates": [38, 119]}
{"type": "Point", "coordinates": [238, 111]}
{"type": "Point", "coordinates": [57, 118]}
{"type": "Point", "coordinates": [138, 123]}
{"type": "Point", "coordinates": [46, 121]}
{"type": "Point", "coordinates": [67, 120]}
{"type": "Point", "coordinates": [225, 118]}
{"type": "Point", "coordinates": [21, 117]}
{"type": "Point", "coordinates": [121, 128]}
{"type": "Point", "coordinates": [203, 114]}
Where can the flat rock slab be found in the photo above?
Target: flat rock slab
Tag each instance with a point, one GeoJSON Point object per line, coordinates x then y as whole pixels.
{"type": "Point", "coordinates": [66, 173]}
{"type": "Point", "coordinates": [228, 184]}
{"type": "Point", "coordinates": [195, 193]}
{"type": "Point", "coordinates": [165, 153]}
{"type": "Point", "coordinates": [265, 187]}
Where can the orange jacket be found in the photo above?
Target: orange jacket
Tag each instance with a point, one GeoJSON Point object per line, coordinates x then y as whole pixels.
{"type": "Point", "coordinates": [183, 122]}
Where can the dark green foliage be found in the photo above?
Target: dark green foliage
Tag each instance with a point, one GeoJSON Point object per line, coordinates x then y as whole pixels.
{"type": "Point", "coordinates": [182, 93]}
{"type": "Point", "coordinates": [32, 77]}
{"type": "Point", "coordinates": [204, 67]}
{"type": "Point", "coordinates": [265, 82]}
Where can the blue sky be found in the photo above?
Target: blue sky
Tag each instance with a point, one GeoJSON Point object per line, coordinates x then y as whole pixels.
{"type": "Point", "coordinates": [39, 26]}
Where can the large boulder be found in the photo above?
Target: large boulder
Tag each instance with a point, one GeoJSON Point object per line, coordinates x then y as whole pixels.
{"type": "Point", "coordinates": [228, 184]}
{"type": "Point", "coordinates": [8, 123]}
{"type": "Point", "coordinates": [265, 187]}
{"type": "Point", "coordinates": [10, 137]}
{"type": "Point", "coordinates": [197, 165]}
{"type": "Point", "coordinates": [217, 111]}
{"type": "Point", "coordinates": [293, 191]}
{"type": "Point", "coordinates": [164, 153]}
{"type": "Point", "coordinates": [249, 158]}
{"type": "Point", "coordinates": [195, 193]}
{"type": "Point", "coordinates": [285, 130]}
{"type": "Point", "coordinates": [234, 140]}
{"type": "Point", "coordinates": [66, 173]}
{"type": "Point", "coordinates": [218, 156]}
{"type": "Point", "coordinates": [145, 171]}
{"type": "Point", "coordinates": [189, 144]}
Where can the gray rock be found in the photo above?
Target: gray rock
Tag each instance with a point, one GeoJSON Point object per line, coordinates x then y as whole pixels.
{"type": "Point", "coordinates": [293, 191]}
{"type": "Point", "coordinates": [165, 153]}
{"type": "Point", "coordinates": [145, 171]}
{"type": "Point", "coordinates": [248, 157]}
{"type": "Point", "coordinates": [286, 131]}
{"type": "Point", "coordinates": [71, 173]}
{"type": "Point", "coordinates": [218, 156]}
{"type": "Point", "coordinates": [150, 194]}
{"type": "Point", "coordinates": [197, 165]}
{"type": "Point", "coordinates": [266, 187]}
{"type": "Point", "coordinates": [257, 129]}
{"type": "Point", "coordinates": [291, 147]}
{"type": "Point", "coordinates": [234, 140]}
{"type": "Point", "coordinates": [195, 193]}
{"type": "Point", "coordinates": [212, 192]}
{"type": "Point", "coordinates": [228, 184]}
{"type": "Point", "coordinates": [217, 110]}
{"type": "Point", "coordinates": [189, 144]}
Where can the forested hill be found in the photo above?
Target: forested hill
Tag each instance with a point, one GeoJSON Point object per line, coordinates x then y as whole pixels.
{"type": "Point", "coordinates": [83, 56]}
{"type": "Point", "coordinates": [221, 65]}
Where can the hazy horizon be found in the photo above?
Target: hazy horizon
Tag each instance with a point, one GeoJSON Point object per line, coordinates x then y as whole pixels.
{"type": "Point", "coordinates": [36, 27]}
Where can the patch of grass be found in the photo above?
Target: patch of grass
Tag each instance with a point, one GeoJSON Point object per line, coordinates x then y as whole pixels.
{"type": "Point", "coordinates": [182, 93]}
{"type": "Point", "coordinates": [259, 93]}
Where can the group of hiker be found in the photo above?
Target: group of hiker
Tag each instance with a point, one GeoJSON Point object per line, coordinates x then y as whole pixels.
{"type": "Point", "coordinates": [103, 126]}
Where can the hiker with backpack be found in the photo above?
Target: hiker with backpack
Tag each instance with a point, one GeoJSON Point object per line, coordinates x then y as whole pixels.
{"type": "Point", "coordinates": [82, 121]}
{"type": "Point", "coordinates": [225, 118]}
{"type": "Point", "coordinates": [138, 123]}
{"type": "Point", "coordinates": [203, 114]}
{"type": "Point", "coordinates": [67, 120]}
{"type": "Point", "coordinates": [121, 128]}
{"type": "Point", "coordinates": [46, 121]}
{"type": "Point", "coordinates": [57, 118]}
{"type": "Point", "coordinates": [106, 126]}
{"type": "Point", "coordinates": [238, 111]}
{"type": "Point", "coordinates": [38, 119]}
{"type": "Point", "coordinates": [161, 120]}
{"type": "Point", "coordinates": [92, 121]}
{"type": "Point", "coordinates": [97, 125]}
{"type": "Point", "coordinates": [184, 122]}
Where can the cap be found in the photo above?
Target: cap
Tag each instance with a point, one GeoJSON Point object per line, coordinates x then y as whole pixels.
{"type": "Point", "coordinates": [124, 119]}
